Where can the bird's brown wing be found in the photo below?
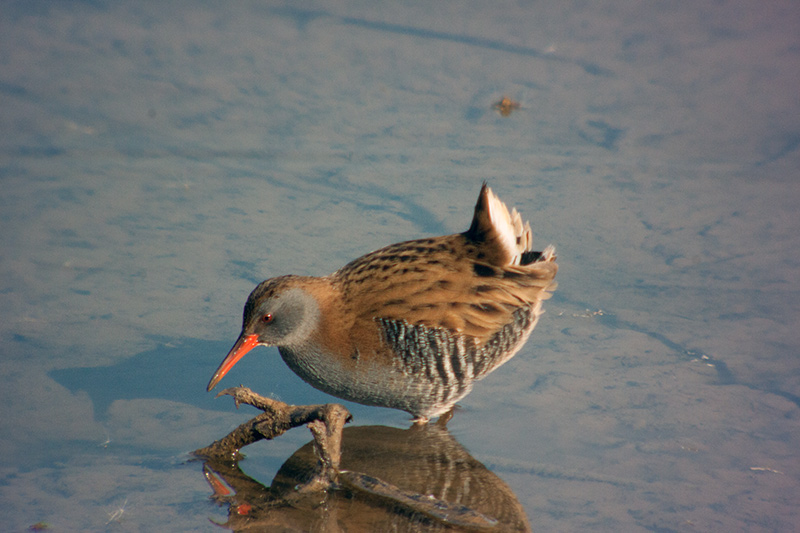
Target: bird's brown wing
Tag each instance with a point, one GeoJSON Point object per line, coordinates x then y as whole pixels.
{"type": "Point", "coordinates": [441, 283]}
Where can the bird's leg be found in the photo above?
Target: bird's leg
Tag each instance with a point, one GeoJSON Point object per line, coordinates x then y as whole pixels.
{"type": "Point", "coordinates": [420, 421]}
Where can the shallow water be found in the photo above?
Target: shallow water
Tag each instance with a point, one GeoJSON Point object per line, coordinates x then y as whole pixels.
{"type": "Point", "coordinates": [158, 161]}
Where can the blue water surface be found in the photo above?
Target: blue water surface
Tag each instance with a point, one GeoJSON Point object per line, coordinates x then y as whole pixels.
{"type": "Point", "coordinates": [160, 159]}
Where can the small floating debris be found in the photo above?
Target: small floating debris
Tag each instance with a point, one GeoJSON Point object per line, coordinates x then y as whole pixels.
{"type": "Point", "coordinates": [505, 106]}
{"type": "Point", "coordinates": [116, 515]}
{"type": "Point", "coordinates": [588, 314]}
{"type": "Point", "coordinates": [765, 469]}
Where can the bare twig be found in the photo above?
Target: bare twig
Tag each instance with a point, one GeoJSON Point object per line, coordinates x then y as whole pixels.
{"type": "Point", "coordinates": [279, 417]}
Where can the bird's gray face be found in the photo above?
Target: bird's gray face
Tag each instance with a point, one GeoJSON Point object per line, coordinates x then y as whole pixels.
{"type": "Point", "coordinates": [282, 318]}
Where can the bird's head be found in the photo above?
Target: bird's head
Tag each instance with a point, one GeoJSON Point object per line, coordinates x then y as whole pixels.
{"type": "Point", "coordinates": [279, 312]}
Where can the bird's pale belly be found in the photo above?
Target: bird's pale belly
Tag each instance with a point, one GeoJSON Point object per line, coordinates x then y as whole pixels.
{"type": "Point", "coordinates": [375, 384]}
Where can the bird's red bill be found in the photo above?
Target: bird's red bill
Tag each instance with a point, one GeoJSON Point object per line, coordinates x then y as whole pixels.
{"type": "Point", "coordinates": [244, 344]}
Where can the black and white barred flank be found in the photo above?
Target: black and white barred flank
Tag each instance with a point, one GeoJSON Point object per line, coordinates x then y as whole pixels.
{"type": "Point", "coordinates": [452, 362]}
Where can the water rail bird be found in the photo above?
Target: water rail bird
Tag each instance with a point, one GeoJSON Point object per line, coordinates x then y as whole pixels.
{"type": "Point", "coordinates": [411, 326]}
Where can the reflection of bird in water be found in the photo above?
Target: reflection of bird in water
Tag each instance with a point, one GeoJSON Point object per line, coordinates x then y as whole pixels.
{"type": "Point", "coordinates": [424, 460]}
{"type": "Point", "coordinates": [411, 326]}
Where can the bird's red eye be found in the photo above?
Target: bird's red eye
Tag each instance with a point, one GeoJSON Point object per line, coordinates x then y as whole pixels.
{"type": "Point", "coordinates": [266, 319]}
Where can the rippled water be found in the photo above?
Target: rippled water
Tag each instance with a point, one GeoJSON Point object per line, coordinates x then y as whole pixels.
{"type": "Point", "coordinates": [159, 160]}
